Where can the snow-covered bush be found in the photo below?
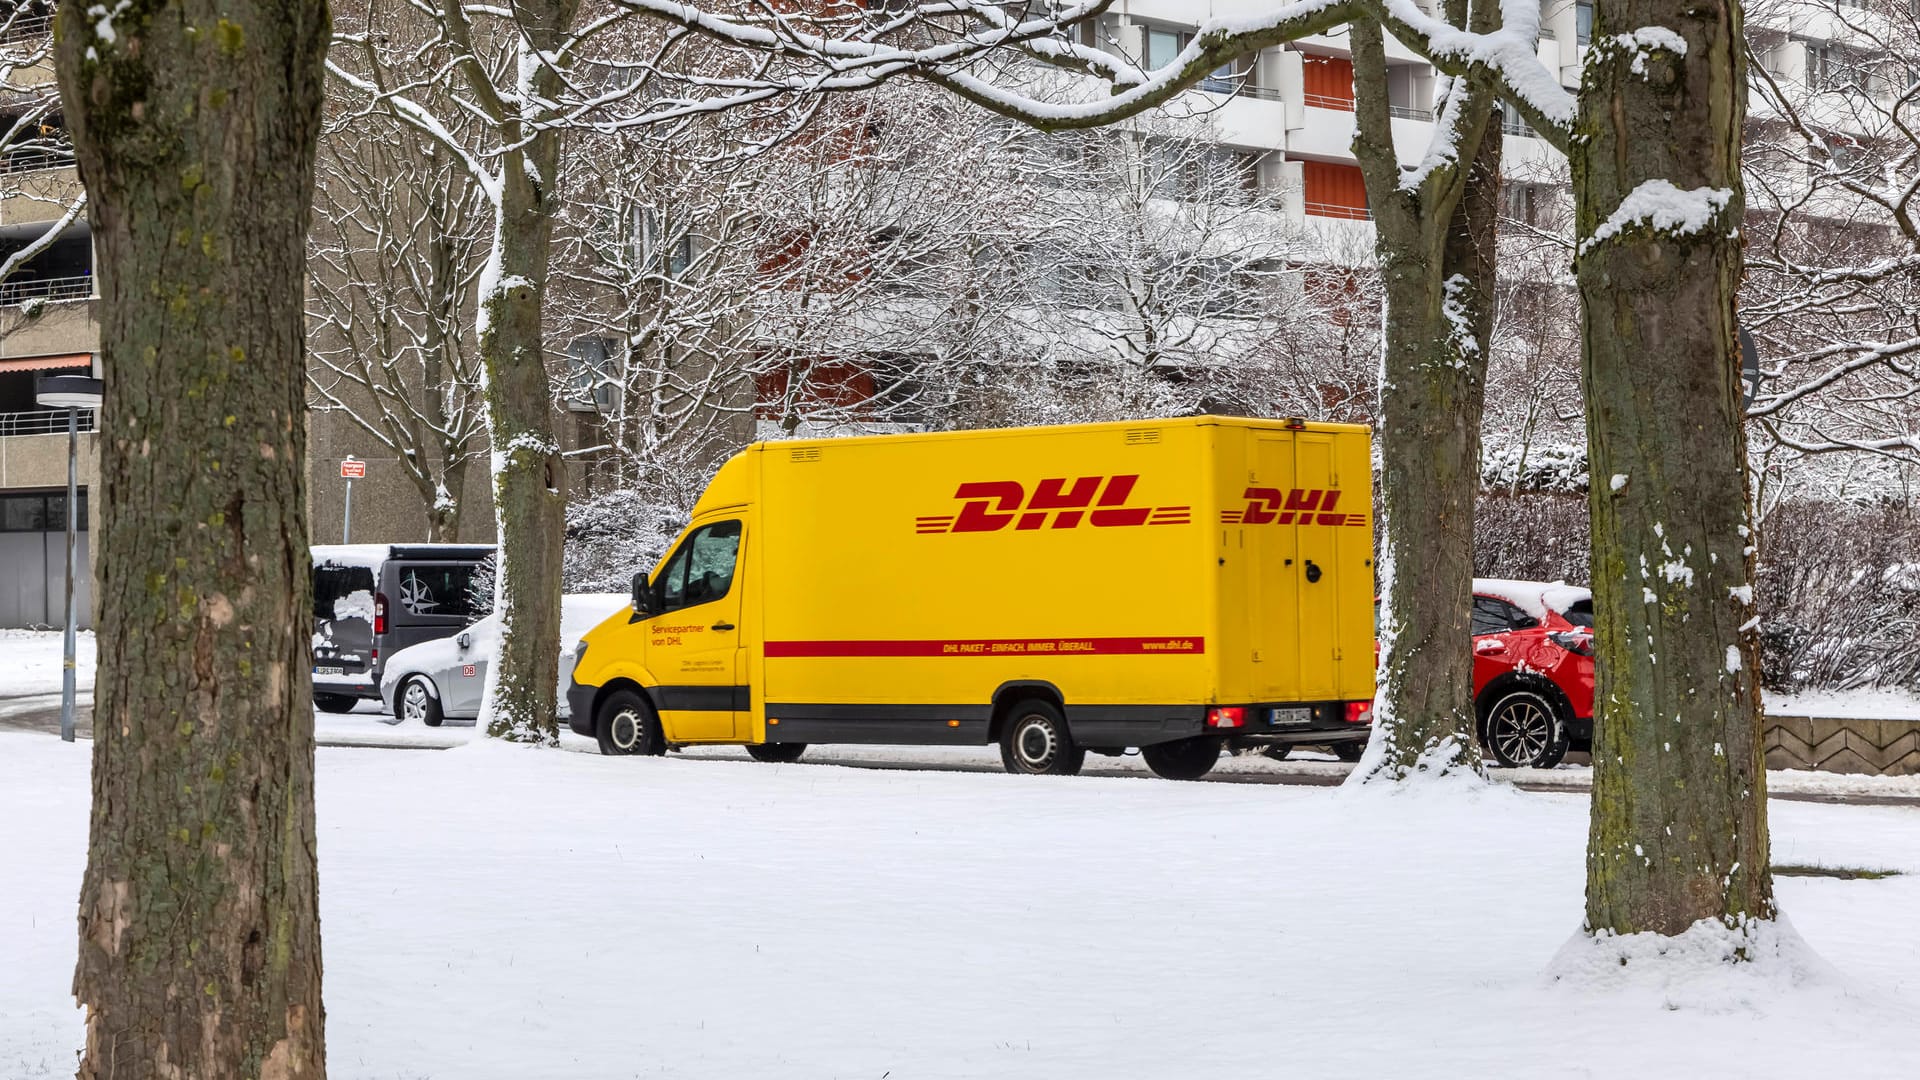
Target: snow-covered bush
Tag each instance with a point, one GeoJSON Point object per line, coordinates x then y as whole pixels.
{"type": "Point", "coordinates": [1531, 536]}
{"type": "Point", "coordinates": [1515, 466]}
{"type": "Point", "coordinates": [613, 534]}
{"type": "Point", "coordinates": [1839, 596]}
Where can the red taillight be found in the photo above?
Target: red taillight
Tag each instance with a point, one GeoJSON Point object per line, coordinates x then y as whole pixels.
{"type": "Point", "coordinates": [1574, 641]}
{"type": "Point", "coordinates": [1359, 712]}
{"type": "Point", "coordinates": [379, 613]}
{"type": "Point", "coordinates": [1227, 716]}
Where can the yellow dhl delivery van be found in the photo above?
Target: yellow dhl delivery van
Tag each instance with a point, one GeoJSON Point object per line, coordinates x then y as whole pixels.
{"type": "Point", "coordinates": [1167, 584]}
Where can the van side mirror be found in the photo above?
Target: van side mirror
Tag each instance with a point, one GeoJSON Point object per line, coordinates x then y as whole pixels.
{"type": "Point", "coordinates": [642, 594]}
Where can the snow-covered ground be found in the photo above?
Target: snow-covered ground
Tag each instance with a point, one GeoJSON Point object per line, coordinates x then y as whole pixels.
{"type": "Point", "coordinates": [493, 912]}
{"type": "Point", "coordinates": [1871, 703]}
{"type": "Point", "coordinates": [30, 662]}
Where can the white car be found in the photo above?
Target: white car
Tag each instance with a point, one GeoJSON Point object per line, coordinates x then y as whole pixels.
{"type": "Point", "coordinates": [435, 680]}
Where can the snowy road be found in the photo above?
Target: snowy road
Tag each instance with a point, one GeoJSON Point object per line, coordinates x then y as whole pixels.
{"type": "Point", "coordinates": [503, 913]}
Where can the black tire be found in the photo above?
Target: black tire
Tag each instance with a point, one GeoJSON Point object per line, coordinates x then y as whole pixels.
{"type": "Point", "coordinates": [335, 703]}
{"type": "Point", "coordinates": [625, 724]}
{"type": "Point", "coordinates": [1525, 730]}
{"type": "Point", "coordinates": [1035, 741]}
{"type": "Point", "coordinates": [1277, 751]}
{"type": "Point", "coordinates": [1348, 751]}
{"type": "Point", "coordinates": [777, 753]}
{"type": "Point", "coordinates": [1182, 759]}
{"type": "Point", "coordinates": [415, 700]}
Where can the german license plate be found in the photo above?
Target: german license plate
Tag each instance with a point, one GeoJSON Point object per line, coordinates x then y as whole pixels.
{"type": "Point", "coordinates": [328, 671]}
{"type": "Point", "coordinates": [1289, 717]}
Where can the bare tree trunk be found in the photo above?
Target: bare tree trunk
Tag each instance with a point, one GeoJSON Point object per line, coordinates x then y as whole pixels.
{"type": "Point", "coordinates": [1679, 830]}
{"type": "Point", "coordinates": [195, 124]}
{"type": "Point", "coordinates": [529, 476]}
{"type": "Point", "coordinates": [1436, 251]}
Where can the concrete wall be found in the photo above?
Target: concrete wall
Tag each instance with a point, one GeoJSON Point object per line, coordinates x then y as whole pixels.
{"type": "Point", "coordinates": [1843, 745]}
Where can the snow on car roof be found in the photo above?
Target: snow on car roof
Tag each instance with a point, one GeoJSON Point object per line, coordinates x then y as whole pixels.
{"type": "Point", "coordinates": [1533, 597]}
{"type": "Point", "coordinates": [366, 555]}
{"type": "Point", "coordinates": [372, 555]}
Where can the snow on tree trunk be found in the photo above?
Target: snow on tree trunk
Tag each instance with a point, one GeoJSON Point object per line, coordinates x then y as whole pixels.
{"type": "Point", "coordinates": [529, 476]}
{"type": "Point", "coordinates": [1679, 830]}
{"type": "Point", "coordinates": [1434, 238]}
{"type": "Point", "coordinates": [195, 124]}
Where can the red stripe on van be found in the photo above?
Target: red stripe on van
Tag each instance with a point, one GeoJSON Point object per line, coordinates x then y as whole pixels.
{"type": "Point", "coordinates": [1105, 646]}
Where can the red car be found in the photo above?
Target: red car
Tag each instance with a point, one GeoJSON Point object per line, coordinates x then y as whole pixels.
{"type": "Point", "coordinates": [1532, 670]}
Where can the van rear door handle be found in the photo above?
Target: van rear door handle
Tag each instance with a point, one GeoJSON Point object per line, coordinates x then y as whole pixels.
{"type": "Point", "coordinates": [722, 626]}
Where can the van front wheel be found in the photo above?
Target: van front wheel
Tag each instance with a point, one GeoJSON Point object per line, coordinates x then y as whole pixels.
{"type": "Point", "coordinates": [627, 724]}
{"type": "Point", "coordinates": [777, 753]}
{"type": "Point", "coordinates": [1183, 759]}
{"type": "Point", "coordinates": [1036, 742]}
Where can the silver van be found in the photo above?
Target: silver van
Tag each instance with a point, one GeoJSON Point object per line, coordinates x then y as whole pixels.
{"type": "Point", "coordinates": [372, 600]}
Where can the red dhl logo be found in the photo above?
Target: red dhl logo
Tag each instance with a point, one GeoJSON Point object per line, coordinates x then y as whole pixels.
{"type": "Point", "coordinates": [1297, 506]}
{"type": "Point", "coordinates": [1100, 501]}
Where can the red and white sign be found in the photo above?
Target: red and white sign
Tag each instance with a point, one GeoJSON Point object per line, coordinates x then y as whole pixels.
{"type": "Point", "coordinates": [353, 470]}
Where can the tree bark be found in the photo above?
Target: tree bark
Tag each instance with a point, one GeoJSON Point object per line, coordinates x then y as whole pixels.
{"type": "Point", "coordinates": [195, 124]}
{"type": "Point", "coordinates": [1679, 830]}
{"type": "Point", "coordinates": [1435, 243]}
{"type": "Point", "coordinates": [529, 476]}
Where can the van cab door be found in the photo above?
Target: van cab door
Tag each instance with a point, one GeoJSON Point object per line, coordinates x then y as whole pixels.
{"type": "Point", "coordinates": [694, 642]}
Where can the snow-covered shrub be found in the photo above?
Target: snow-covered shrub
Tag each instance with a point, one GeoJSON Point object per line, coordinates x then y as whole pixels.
{"type": "Point", "coordinates": [1531, 536]}
{"type": "Point", "coordinates": [1839, 596]}
{"type": "Point", "coordinates": [1514, 466]}
{"type": "Point", "coordinates": [614, 533]}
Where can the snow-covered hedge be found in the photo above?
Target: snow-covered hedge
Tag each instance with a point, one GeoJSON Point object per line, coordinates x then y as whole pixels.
{"type": "Point", "coordinates": [612, 534]}
{"type": "Point", "coordinates": [1513, 466]}
{"type": "Point", "coordinates": [1838, 589]}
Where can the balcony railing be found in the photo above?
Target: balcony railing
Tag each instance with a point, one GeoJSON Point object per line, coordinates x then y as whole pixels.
{"type": "Point", "coordinates": [21, 290]}
{"type": "Point", "coordinates": [26, 161]}
{"type": "Point", "coordinates": [1327, 101]}
{"type": "Point", "coordinates": [26, 27]}
{"type": "Point", "coordinates": [1330, 210]}
{"type": "Point", "coordinates": [1408, 112]}
{"type": "Point", "coordinates": [1514, 125]}
{"type": "Point", "coordinates": [42, 422]}
{"type": "Point", "coordinates": [1239, 88]}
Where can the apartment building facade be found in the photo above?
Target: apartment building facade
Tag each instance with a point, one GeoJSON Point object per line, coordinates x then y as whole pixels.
{"type": "Point", "coordinates": [48, 325]}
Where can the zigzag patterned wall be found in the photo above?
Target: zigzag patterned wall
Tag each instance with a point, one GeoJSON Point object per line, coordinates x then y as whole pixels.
{"type": "Point", "coordinates": [1873, 747]}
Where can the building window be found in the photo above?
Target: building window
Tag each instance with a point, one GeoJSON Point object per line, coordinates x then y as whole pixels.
{"type": "Point", "coordinates": [1835, 67]}
{"type": "Point", "coordinates": [591, 374]}
{"type": "Point", "coordinates": [1583, 24]}
{"type": "Point", "coordinates": [1163, 47]}
{"type": "Point", "coordinates": [1327, 81]}
{"type": "Point", "coordinates": [1335, 191]}
{"type": "Point", "coordinates": [63, 270]}
{"type": "Point", "coordinates": [39, 513]}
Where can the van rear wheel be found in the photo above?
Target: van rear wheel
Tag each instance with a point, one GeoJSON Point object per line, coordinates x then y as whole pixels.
{"type": "Point", "coordinates": [626, 724]}
{"type": "Point", "coordinates": [335, 703]}
{"type": "Point", "coordinates": [1182, 759]}
{"type": "Point", "coordinates": [1036, 742]}
{"type": "Point", "coordinates": [777, 753]}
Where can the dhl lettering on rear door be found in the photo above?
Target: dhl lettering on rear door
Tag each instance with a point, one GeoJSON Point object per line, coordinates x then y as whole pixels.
{"type": "Point", "coordinates": [1100, 502]}
{"type": "Point", "coordinates": [1295, 506]}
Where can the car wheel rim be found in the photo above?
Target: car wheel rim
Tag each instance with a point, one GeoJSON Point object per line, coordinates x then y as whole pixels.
{"type": "Point", "coordinates": [414, 707]}
{"type": "Point", "coordinates": [1036, 744]}
{"type": "Point", "coordinates": [625, 729]}
{"type": "Point", "coordinates": [1522, 732]}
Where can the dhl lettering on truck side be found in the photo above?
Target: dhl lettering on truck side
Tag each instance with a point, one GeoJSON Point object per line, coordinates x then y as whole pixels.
{"type": "Point", "coordinates": [1104, 646]}
{"type": "Point", "coordinates": [992, 505]}
{"type": "Point", "coordinates": [1297, 506]}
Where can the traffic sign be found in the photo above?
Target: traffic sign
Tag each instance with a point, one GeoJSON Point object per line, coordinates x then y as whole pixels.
{"type": "Point", "coordinates": [353, 470]}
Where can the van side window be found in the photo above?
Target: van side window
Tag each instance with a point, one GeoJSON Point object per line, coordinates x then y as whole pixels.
{"type": "Point", "coordinates": [702, 570]}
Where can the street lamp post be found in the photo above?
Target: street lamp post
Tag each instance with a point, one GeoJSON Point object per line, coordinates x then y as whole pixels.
{"type": "Point", "coordinates": [72, 393]}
